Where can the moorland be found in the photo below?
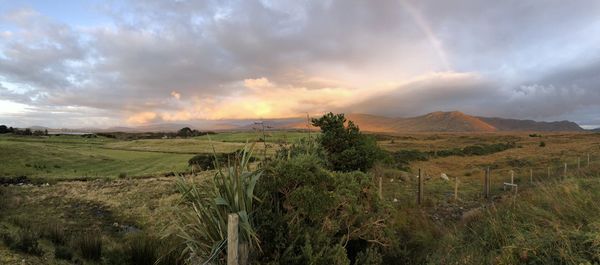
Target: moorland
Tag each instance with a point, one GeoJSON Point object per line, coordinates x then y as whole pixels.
{"type": "Point", "coordinates": [73, 199]}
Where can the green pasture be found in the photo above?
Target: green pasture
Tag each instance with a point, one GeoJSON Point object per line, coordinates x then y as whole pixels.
{"type": "Point", "coordinates": [74, 156]}
{"type": "Point", "coordinates": [252, 136]}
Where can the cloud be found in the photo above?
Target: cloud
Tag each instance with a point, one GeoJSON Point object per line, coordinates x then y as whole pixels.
{"type": "Point", "coordinates": [183, 60]}
{"type": "Point", "coordinates": [142, 117]}
{"type": "Point", "coordinates": [176, 95]}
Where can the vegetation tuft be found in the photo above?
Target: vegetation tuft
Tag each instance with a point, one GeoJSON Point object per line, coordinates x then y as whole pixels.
{"type": "Point", "coordinates": [89, 245]}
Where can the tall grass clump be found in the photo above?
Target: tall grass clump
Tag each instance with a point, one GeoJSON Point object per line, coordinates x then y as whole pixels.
{"type": "Point", "coordinates": [203, 224]}
{"type": "Point", "coordinates": [89, 245]}
{"type": "Point", "coordinates": [558, 223]}
{"type": "Point", "coordinates": [142, 250]}
{"type": "Point", "coordinates": [54, 232]}
{"type": "Point", "coordinates": [24, 240]}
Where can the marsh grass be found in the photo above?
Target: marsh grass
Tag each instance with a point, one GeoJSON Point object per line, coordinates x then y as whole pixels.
{"type": "Point", "coordinates": [24, 240]}
{"type": "Point", "coordinates": [54, 232]}
{"type": "Point", "coordinates": [89, 245]}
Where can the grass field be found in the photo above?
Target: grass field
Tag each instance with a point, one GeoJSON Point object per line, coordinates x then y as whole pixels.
{"type": "Point", "coordinates": [115, 207]}
{"type": "Point", "coordinates": [271, 136]}
{"type": "Point", "coordinates": [72, 156]}
{"type": "Point", "coordinates": [69, 158]}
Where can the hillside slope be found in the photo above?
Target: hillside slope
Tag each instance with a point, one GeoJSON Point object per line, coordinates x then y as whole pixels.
{"type": "Point", "coordinates": [455, 121]}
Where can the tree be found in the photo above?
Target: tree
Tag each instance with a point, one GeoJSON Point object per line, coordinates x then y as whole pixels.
{"type": "Point", "coordinates": [346, 147]}
{"type": "Point", "coordinates": [4, 129]}
{"type": "Point", "coordinates": [185, 132]}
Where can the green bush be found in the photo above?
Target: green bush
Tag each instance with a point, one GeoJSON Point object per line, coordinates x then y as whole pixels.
{"type": "Point", "coordinates": [346, 147]}
{"type": "Point", "coordinates": [209, 161]}
{"type": "Point", "coordinates": [542, 144]}
{"type": "Point", "coordinates": [311, 215]}
{"type": "Point", "coordinates": [404, 157]}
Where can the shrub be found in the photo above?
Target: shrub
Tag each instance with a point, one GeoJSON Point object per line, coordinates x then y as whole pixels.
{"type": "Point", "coordinates": [346, 147]}
{"type": "Point", "coordinates": [542, 144]}
{"type": "Point", "coordinates": [123, 175]}
{"type": "Point", "coordinates": [63, 252]}
{"type": "Point", "coordinates": [404, 157]}
{"type": "Point", "coordinates": [89, 246]}
{"type": "Point", "coordinates": [202, 161]}
{"type": "Point", "coordinates": [209, 161]}
{"type": "Point", "coordinates": [305, 146]}
{"type": "Point", "coordinates": [310, 214]}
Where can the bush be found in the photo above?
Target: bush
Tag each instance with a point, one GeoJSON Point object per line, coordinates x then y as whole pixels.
{"type": "Point", "coordinates": [123, 175]}
{"type": "Point", "coordinates": [89, 246]}
{"type": "Point", "coordinates": [346, 147]}
{"type": "Point", "coordinates": [63, 252]}
{"type": "Point", "coordinates": [208, 162]}
{"type": "Point", "coordinates": [312, 215]}
{"type": "Point", "coordinates": [203, 161]}
{"type": "Point", "coordinates": [404, 157]}
{"type": "Point", "coordinates": [542, 144]}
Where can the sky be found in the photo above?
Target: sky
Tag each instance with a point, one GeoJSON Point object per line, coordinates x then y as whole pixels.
{"type": "Point", "coordinates": [125, 63]}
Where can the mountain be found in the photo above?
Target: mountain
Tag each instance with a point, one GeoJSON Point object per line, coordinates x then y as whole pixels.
{"type": "Point", "coordinates": [454, 121]}
{"type": "Point", "coordinates": [530, 125]}
{"type": "Point", "coordinates": [38, 128]}
{"type": "Point", "coordinates": [439, 121]}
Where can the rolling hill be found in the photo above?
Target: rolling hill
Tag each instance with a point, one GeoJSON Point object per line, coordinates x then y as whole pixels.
{"type": "Point", "coordinates": [454, 121]}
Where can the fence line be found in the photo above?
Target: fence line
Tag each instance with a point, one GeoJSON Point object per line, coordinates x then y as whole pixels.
{"type": "Point", "coordinates": [492, 177]}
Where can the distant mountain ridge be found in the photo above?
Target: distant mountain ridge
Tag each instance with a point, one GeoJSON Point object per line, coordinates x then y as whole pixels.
{"type": "Point", "coordinates": [453, 121]}
{"type": "Point", "coordinates": [456, 121]}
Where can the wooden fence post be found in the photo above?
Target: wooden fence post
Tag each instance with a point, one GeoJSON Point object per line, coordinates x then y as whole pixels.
{"type": "Point", "coordinates": [512, 176]}
{"type": "Point", "coordinates": [232, 239]}
{"type": "Point", "coordinates": [486, 184]}
{"type": "Point", "coordinates": [456, 189]}
{"type": "Point", "coordinates": [531, 176]}
{"type": "Point", "coordinates": [420, 189]}
{"type": "Point", "coordinates": [588, 164]}
{"type": "Point", "coordinates": [578, 163]}
{"type": "Point", "coordinates": [380, 188]}
{"type": "Point", "coordinates": [565, 174]}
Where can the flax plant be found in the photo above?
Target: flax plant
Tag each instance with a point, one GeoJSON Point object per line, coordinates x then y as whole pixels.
{"type": "Point", "coordinates": [203, 227]}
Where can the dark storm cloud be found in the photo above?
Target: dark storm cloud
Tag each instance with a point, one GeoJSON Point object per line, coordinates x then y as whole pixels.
{"type": "Point", "coordinates": [525, 59]}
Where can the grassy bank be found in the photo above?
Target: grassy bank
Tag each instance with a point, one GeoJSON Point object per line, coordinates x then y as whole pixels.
{"type": "Point", "coordinates": [555, 223]}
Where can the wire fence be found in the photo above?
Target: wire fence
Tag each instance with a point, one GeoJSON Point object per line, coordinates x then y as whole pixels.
{"type": "Point", "coordinates": [469, 185]}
